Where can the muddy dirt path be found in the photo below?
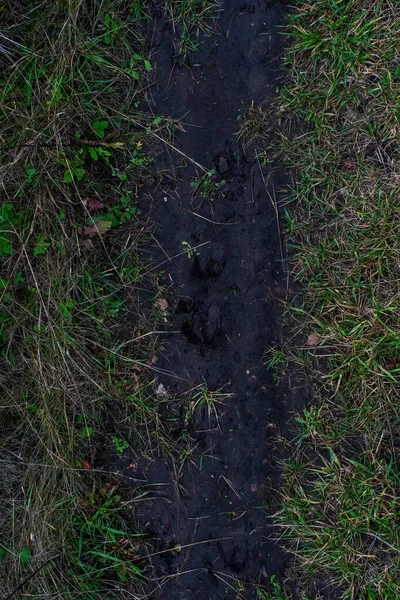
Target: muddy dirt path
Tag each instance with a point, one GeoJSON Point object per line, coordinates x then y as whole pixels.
{"type": "Point", "coordinates": [221, 311]}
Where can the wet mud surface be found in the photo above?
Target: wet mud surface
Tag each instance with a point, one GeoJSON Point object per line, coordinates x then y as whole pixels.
{"type": "Point", "coordinates": [224, 311]}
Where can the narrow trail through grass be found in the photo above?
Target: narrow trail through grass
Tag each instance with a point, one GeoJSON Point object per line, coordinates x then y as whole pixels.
{"type": "Point", "coordinates": [77, 142]}
{"type": "Point", "coordinates": [215, 204]}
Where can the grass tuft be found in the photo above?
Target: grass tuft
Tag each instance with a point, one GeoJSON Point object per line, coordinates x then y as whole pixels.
{"type": "Point", "coordinates": [190, 19]}
{"type": "Point", "coordinates": [254, 126]}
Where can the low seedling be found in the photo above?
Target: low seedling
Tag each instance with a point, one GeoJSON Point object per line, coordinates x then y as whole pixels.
{"type": "Point", "coordinates": [10, 221]}
{"type": "Point", "coordinates": [120, 444]}
{"type": "Point", "coordinates": [189, 250]}
{"type": "Point", "coordinates": [277, 592]}
{"type": "Point", "coordinates": [207, 186]}
{"type": "Point", "coordinates": [276, 360]}
{"type": "Point", "coordinates": [100, 128]}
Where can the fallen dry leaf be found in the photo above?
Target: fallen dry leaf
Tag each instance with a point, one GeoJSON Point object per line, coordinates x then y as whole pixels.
{"type": "Point", "coordinates": [92, 204]}
{"type": "Point", "coordinates": [152, 360]}
{"type": "Point", "coordinates": [161, 304]}
{"type": "Point", "coordinates": [349, 163]}
{"type": "Point", "coordinates": [161, 392]}
{"type": "Point", "coordinates": [138, 380]}
{"type": "Point", "coordinates": [107, 487]}
{"type": "Point", "coordinates": [176, 549]}
{"type": "Point", "coordinates": [313, 339]}
{"type": "Point", "coordinates": [99, 228]}
{"type": "Point", "coordinates": [88, 244]}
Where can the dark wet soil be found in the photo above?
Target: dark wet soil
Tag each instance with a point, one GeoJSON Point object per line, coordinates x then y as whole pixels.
{"type": "Point", "coordinates": [224, 302]}
{"type": "Point", "coordinates": [215, 517]}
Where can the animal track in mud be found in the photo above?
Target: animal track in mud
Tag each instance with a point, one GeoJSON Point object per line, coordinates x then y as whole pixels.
{"type": "Point", "coordinates": [236, 558]}
{"type": "Point", "coordinates": [207, 267]}
{"type": "Point", "coordinates": [204, 327]}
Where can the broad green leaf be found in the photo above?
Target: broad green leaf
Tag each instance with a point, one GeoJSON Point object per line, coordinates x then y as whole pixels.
{"type": "Point", "coordinates": [5, 244]}
{"type": "Point", "coordinates": [93, 153]}
{"type": "Point", "coordinates": [41, 246]}
{"type": "Point", "coordinates": [25, 554]}
{"type": "Point", "coordinates": [86, 432]}
{"type": "Point", "coordinates": [100, 127]}
{"type": "Point", "coordinates": [103, 217]}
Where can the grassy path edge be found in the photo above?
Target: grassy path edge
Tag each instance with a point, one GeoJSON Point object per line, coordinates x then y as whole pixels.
{"type": "Point", "coordinates": [339, 134]}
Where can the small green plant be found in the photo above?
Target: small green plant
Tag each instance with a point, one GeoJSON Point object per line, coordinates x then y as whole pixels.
{"type": "Point", "coordinates": [138, 9]}
{"type": "Point", "coordinates": [41, 245]}
{"type": "Point", "coordinates": [66, 307]}
{"type": "Point", "coordinates": [113, 307]}
{"type": "Point", "coordinates": [10, 221]}
{"type": "Point", "coordinates": [277, 592]}
{"type": "Point", "coordinates": [189, 250]}
{"type": "Point", "coordinates": [99, 544]}
{"type": "Point", "coordinates": [138, 157]}
{"type": "Point", "coordinates": [74, 167]}
{"type": "Point", "coordinates": [205, 399]}
{"type": "Point", "coordinates": [120, 444]}
{"type": "Point", "coordinates": [30, 175]}
{"type": "Point", "coordinates": [23, 555]}
{"type": "Point", "coordinates": [125, 209]}
{"type": "Point", "coordinates": [96, 152]}
{"type": "Point", "coordinates": [276, 360]}
{"type": "Point", "coordinates": [191, 18]}
{"type": "Point", "coordinates": [86, 432]}
{"type": "Point", "coordinates": [100, 127]}
{"type": "Point", "coordinates": [111, 28]}
{"type": "Point", "coordinates": [208, 187]}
